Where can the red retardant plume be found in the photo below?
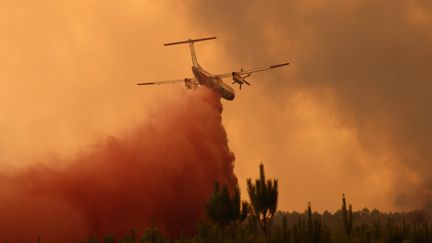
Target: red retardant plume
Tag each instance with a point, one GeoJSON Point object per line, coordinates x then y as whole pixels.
{"type": "Point", "coordinates": [159, 173]}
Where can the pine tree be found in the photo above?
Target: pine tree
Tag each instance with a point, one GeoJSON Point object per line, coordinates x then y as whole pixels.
{"type": "Point", "coordinates": [347, 217]}
{"type": "Point", "coordinates": [108, 239]}
{"type": "Point", "coordinates": [224, 210]}
{"type": "Point", "coordinates": [263, 195]}
{"type": "Point", "coordinates": [151, 234]}
{"type": "Point", "coordinates": [285, 231]}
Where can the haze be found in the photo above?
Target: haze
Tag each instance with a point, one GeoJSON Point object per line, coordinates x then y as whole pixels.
{"type": "Point", "coordinates": [350, 115]}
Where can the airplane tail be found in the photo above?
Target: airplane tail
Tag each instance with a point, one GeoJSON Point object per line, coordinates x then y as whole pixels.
{"type": "Point", "coordinates": [191, 46]}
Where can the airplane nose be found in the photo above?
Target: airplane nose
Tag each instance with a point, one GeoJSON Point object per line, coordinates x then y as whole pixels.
{"type": "Point", "coordinates": [230, 96]}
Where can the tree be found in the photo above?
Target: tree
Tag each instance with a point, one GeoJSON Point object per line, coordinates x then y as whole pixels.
{"type": "Point", "coordinates": [347, 217]}
{"type": "Point", "coordinates": [151, 234]}
{"type": "Point", "coordinates": [224, 210]}
{"type": "Point", "coordinates": [263, 195]}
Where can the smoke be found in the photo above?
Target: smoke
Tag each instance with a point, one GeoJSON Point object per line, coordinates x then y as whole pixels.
{"type": "Point", "coordinates": [371, 59]}
{"type": "Point", "coordinates": [159, 173]}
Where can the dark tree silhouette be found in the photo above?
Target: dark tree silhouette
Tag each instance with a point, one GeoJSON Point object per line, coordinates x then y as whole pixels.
{"type": "Point", "coordinates": [224, 210]}
{"type": "Point", "coordinates": [263, 195]}
{"type": "Point", "coordinates": [347, 217]}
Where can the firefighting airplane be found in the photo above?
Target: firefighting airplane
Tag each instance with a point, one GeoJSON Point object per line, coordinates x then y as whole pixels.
{"type": "Point", "coordinates": [202, 77]}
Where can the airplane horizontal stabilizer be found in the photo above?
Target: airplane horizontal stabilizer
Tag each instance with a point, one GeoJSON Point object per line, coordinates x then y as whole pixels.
{"type": "Point", "coordinates": [189, 41]}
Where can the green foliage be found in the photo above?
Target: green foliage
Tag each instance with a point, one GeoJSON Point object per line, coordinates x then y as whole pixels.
{"type": "Point", "coordinates": [224, 210]}
{"type": "Point", "coordinates": [263, 195]}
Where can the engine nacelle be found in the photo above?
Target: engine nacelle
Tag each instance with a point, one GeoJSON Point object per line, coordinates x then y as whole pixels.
{"type": "Point", "coordinates": [237, 78]}
{"type": "Point", "coordinates": [190, 83]}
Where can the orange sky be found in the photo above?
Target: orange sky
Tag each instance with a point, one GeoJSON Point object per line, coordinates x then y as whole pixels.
{"type": "Point", "coordinates": [328, 124]}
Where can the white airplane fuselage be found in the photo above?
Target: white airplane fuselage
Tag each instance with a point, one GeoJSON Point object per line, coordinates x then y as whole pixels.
{"type": "Point", "coordinates": [213, 82]}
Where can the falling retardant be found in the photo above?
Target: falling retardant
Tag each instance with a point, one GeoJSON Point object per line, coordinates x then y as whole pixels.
{"type": "Point", "coordinates": [159, 173]}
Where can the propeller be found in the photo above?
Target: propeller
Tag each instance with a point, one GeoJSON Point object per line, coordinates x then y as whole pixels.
{"type": "Point", "coordinates": [241, 78]}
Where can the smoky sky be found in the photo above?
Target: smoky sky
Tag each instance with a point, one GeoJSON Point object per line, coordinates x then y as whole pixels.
{"type": "Point", "coordinates": [374, 57]}
{"type": "Point", "coordinates": [349, 115]}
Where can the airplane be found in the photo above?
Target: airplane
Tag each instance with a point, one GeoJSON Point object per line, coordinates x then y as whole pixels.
{"type": "Point", "coordinates": [214, 82]}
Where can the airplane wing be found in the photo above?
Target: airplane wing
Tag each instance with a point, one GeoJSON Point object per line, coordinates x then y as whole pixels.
{"type": "Point", "coordinates": [253, 70]}
{"type": "Point", "coordinates": [165, 81]}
